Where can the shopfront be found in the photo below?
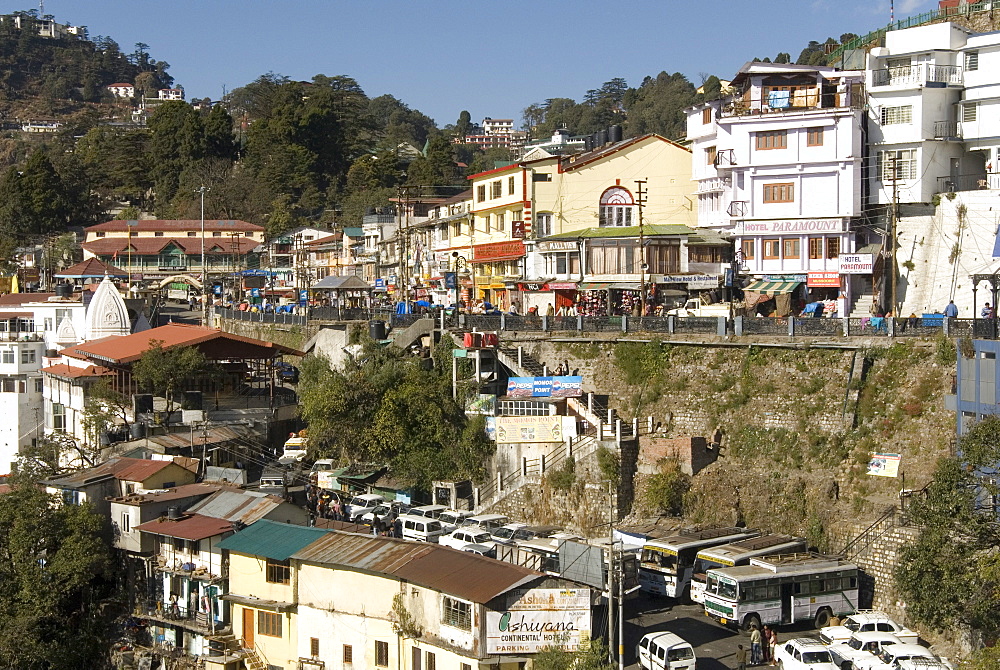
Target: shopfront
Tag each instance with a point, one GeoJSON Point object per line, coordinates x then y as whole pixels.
{"type": "Point", "coordinates": [494, 264]}
{"type": "Point", "coordinates": [792, 246]}
{"type": "Point", "coordinates": [776, 295]}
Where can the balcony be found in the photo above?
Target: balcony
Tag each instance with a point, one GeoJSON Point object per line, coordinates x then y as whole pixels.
{"type": "Point", "coordinates": [947, 130]}
{"type": "Point", "coordinates": [925, 74]}
{"type": "Point", "coordinates": [969, 182]}
{"type": "Point", "coordinates": [177, 614]}
{"type": "Point", "coordinates": [738, 208]}
{"type": "Point", "coordinates": [724, 159]}
{"type": "Point", "coordinates": [795, 102]}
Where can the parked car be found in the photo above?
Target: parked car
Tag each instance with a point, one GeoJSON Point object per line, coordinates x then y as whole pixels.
{"type": "Point", "coordinates": [287, 372]}
{"type": "Point", "coordinates": [360, 505]}
{"type": "Point", "coordinates": [453, 518]}
{"type": "Point", "coordinates": [860, 647]}
{"type": "Point", "coordinates": [386, 512]}
{"type": "Point", "coordinates": [803, 653]}
{"type": "Point", "coordinates": [460, 537]}
{"type": "Point", "coordinates": [431, 511]}
{"type": "Point", "coordinates": [890, 657]}
{"type": "Point", "coordinates": [867, 621]}
{"type": "Point", "coordinates": [420, 528]}
{"type": "Point", "coordinates": [510, 533]}
{"type": "Point", "coordinates": [665, 651]}
{"type": "Point", "coordinates": [481, 549]}
{"type": "Point", "coordinates": [487, 521]}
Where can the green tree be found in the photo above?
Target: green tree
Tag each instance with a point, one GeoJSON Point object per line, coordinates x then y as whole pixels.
{"type": "Point", "coordinates": [56, 582]}
{"type": "Point", "coordinates": [595, 657]}
{"type": "Point", "coordinates": [177, 140]}
{"type": "Point", "coordinates": [163, 371]}
{"type": "Point", "coordinates": [464, 124]}
{"type": "Point", "coordinates": [219, 139]}
{"type": "Point", "coordinates": [33, 201]}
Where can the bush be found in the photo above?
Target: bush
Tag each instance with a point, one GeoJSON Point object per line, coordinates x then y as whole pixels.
{"type": "Point", "coordinates": [665, 490]}
{"type": "Point", "coordinates": [563, 477]}
{"type": "Point", "coordinates": [610, 465]}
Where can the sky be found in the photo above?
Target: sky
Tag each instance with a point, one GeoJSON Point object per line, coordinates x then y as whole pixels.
{"type": "Point", "coordinates": [444, 56]}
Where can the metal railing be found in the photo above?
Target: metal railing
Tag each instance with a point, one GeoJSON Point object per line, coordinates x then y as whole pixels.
{"type": "Point", "coordinates": [262, 317]}
{"type": "Point", "coordinates": [946, 130]}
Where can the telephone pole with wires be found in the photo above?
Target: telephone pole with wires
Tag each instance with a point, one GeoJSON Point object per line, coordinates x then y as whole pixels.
{"type": "Point", "coordinates": [893, 217]}
{"type": "Point", "coordinates": [640, 201]}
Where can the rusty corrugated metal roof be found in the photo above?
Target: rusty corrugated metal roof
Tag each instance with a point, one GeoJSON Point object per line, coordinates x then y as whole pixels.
{"type": "Point", "coordinates": [243, 506]}
{"type": "Point", "coordinates": [459, 573]}
{"type": "Point", "coordinates": [188, 527]}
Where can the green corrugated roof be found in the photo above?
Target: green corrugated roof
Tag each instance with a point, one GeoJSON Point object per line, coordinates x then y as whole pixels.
{"type": "Point", "coordinates": [351, 231]}
{"type": "Point", "coordinates": [625, 231]}
{"type": "Point", "coordinates": [272, 539]}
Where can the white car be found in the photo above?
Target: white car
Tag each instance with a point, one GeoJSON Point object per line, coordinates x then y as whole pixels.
{"type": "Point", "coordinates": [891, 657]}
{"type": "Point", "coordinates": [510, 533]}
{"type": "Point", "coordinates": [386, 512]}
{"type": "Point", "coordinates": [665, 651]}
{"type": "Point", "coordinates": [868, 621]}
{"type": "Point", "coordinates": [803, 653]}
{"type": "Point", "coordinates": [452, 519]}
{"type": "Point", "coordinates": [462, 537]}
{"type": "Point", "coordinates": [861, 648]}
{"type": "Point", "coordinates": [362, 504]}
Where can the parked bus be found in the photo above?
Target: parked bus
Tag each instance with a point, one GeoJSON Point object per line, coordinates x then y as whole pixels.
{"type": "Point", "coordinates": [739, 553]}
{"type": "Point", "coordinates": [782, 589]}
{"type": "Point", "coordinates": [665, 565]}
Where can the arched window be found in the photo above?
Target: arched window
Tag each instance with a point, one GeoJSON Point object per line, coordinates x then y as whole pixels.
{"type": "Point", "coordinates": [616, 207]}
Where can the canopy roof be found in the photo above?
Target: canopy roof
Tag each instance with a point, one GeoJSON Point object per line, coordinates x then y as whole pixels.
{"type": "Point", "coordinates": [338, 283]}
{"type": "Point", "coordinates": [92, 267]}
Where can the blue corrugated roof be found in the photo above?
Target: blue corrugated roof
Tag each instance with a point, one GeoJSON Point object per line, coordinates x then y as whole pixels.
{"type": "Point", "coordinates": [272, 539]}
{"type": "Point", "coordinates": [351, 231]}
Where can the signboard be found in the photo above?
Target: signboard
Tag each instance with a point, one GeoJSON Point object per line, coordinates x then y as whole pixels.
{"type": "Point", "coordinates": [856, 264]}
{"type": "Point", "coordinates": [540, 618]}
{"type": "Point", "coordinates": [499, 250]}
{"type": "Point", "coordinates": [511, 429]}
{"type": "Point", "coordinates": [830, 279]}
{"type": "Point", "coordinates": [884, 465]}
{"type": "Point", "coordinates": [544, 387]}
{"type": "Point", "coordinates": [691, 281]}
{"type": "Point", "coordinates": [775, 226]}
{"type": "Point", "coordinates": [451, 280]}
{"type": "Point", "coordinates": [379, 283]}
{"type": "Point", "coordinates": [517, 230]}
{"type": "Point", "coordinates": [532, 286]}
{"type": "Point", "coordinates": [556, 246]}
{"type": "Point", "coordinates": [562, 286]}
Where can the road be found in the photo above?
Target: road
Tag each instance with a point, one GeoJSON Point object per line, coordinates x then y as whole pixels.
{"type": "Point", "coordinates": [714, 645]}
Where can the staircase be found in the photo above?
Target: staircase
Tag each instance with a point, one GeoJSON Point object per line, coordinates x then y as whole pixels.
{"type": "Point", "coordinates": [862, 306]}
{"type": "Point", "coordinates": [252, 660]}
{"type": "Point", "coordinates": [860, 544]}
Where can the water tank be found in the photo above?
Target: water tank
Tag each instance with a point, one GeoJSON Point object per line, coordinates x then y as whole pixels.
{"type": "Point", "coordinates": [602, 138]}
{"type": "Point", "coordinates": [376, 329]}
{"type": "Point", "coordinates": [142, 403]}
{"type": "Point", "coordinates": [137, 430]}
{"type": "Point", "coordinates": [64, 291]}
{"type": "Point", "coordinates": [588, 143]}
{"type": "Point", "coordinates": [192, 400]}
{"type": "Point", "coordinates": [615, 133]}
{"type": "Point", "coordinates": [174, 512]}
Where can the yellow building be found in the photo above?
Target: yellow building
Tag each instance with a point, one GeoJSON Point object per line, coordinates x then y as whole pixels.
{"type": "Point", "coordinates": [367, 603]}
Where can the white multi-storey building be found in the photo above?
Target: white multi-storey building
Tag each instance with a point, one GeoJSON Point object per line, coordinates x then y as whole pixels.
{"type": "Point", "coordinates": [778, 167]}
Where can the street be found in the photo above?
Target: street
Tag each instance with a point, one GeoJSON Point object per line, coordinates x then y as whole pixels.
{"type": "Point", "coordinates": [714, 645]}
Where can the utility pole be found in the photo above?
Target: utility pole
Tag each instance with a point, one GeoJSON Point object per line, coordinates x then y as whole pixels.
{"type": "Point", "coordinates": [893, 216]}
{"type": "Point", "coordinates": [204, 271]}
{"type": "Point", "coordinates": [640, 201]}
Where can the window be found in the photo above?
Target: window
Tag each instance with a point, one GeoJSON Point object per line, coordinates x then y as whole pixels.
{"type": "Point", "coordinates": [971, 60]}
{"type": "Point", "coordinates": [178, 544]}
{"type": "Point", "coordinates": [900, 114]}
{"type": "Point", "coordinates": [193, 546]}
{"type": "Point", "coordinates": [496, 188]}
{"type": "Point", "coordinates": [562, 263]}
{"type": "Point", "coordinates": [314, 646]}
{"type": "Point", "coordinates": [430, 661]}
{"type": "Point", "coordinates": [58, 416]}
{"type": "Point", "coordinates": [969, 112]}
{"type": "Point", "coordinates": [217, 233]}
{"type": "Point", "coordinates": [832, 247]}
{"type": "Point", "coordinates": [772, 249]}
{"type": "Point", "coordinates": [783, 192]}
{"type": "Point", "coordinates": [710, 155]}
{"type": "Point", "coordinates": [125, 525]}
{"type": "Point", "coordinates": [466, 666]}
{"type": "Point", "coordinates": [790, 247]}
{"type": "Point", "coordinates": [773, 139]}
{"type": "Point", "coordinates": [39, 384]}
{"type": "Point", "coordinates": [899, 164]}
{"type": "Point", "coordinates": [481, 193]}
{"type": "Point", "coordinates": [616, 207]}
{"type": "Point", "coordinates": [541, 176]}
{"type": "Point", "coordinates": [706, 115]}
{"type": "Point", "coordinates": [101, 234]}
{"type": "Point", "coordinates": [456, 613]}
{"type": "Point", "coordinates": [28, 356]}
{"type": "Point", "coordinates": [486, 222]}
{"type": "Point", "coordinates": [48, 323]}
{"type": "Point", "coordinates": [192, 234]}
{"type": "Point", "coordinates": [382, 654]}
{"type": "Point", "coordinates": [158, 233]}
{"type": "Point", "coordinates": [501, 220]}
{"type": "Point", "coordinates": [814, 137]}
{"type": "Point", "coordinates": [248, 233]}
{"type": "Point", "coordinates": [269, 623]}
{"type": "Point", "coordinates": [8, 355]}
{"type": "Point", "coordinates": [510, 186]}
{"type": "Point", "coordinates": [747, 247]}
{"type": "Point", "coordinates": [415, 655]}
{"type": "Point", "coordinates": [815, 247]}
{"type": "Point", "coordinates": [278, 572]}
{"type": "Point", "coordinates": [543, 224]}
{"type": "Point", "coordinates": [349, 654]}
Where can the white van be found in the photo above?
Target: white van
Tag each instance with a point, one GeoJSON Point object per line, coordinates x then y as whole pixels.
{"type": "Point", "coordinates": [488, 522]}
{"type": "Point", "coordinates": [430, 511]}
{"type": "Point", "coordinates": [453, 518]}
{"type": "Point", "coordinates": [420, 528]}
{"type": "Point", "coordinates": [665, 651]}
{"type": "Point", "coordinates": [366, 502]}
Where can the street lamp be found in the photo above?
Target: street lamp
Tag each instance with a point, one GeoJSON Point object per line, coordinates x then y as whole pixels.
{"type": "Point", "coordinates": [459, 263]}
{"type": "Point", "coordinates": [204, 274]}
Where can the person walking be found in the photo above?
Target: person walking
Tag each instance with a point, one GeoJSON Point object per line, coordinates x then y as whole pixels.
{"type": "Point", "coordinates": [550, 310]}
{"type": "Point", "coordinates": [765, 644]}
{"type": "Point", "coordinates": [951, 311]}
{"type": "Point", "coordinates": [755, 649]}
{"type": "Point", "coordinates": [741, 658]}
{"type": "Point", "coordinates": [772, 646]}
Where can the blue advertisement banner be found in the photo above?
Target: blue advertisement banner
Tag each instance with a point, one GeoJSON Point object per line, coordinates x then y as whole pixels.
{"type": "Point", "coordinates": [544, 387]}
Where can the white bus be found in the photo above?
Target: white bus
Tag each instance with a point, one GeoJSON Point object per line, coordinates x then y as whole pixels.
{"type": "Point", "coordinates": [739, 553]}
{"type": "Point", "coordinates": [782, 589]}
{"type": "Point", "coordinates": [665, 565]}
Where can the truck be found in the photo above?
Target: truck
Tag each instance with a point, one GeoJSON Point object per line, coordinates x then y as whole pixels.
{"type": "Point", "coordinates": [696, 307]}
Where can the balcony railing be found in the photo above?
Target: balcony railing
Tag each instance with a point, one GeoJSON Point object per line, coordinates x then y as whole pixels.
{"type": "Point", "coordinates": [917, 75]}
{"type": "Point", "coordinates": [725, 158]}
{"type": "Point", "coordinates": [946, 130]}
{"type": "Point", "coordinates": [980, 181]}
{"type": "Point", "coordinates": [737, 208]}
{"type": "Point", "coordinates": [796, 101]}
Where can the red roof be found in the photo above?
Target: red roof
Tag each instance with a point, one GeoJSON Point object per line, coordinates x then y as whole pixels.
{"type": "Point", "coordinates": [21, 298]}
{"type": "Point", "coordinates": [92, 267]}
{"type": "Point", "coordinates": [175, 225]}
{"type": "Point", "coordinates": [191, 246]}
{"type": "Point", "coordinates": [72, 372]}
{"type": "Point", "coordinates": [136, 469]}
{"type": "Point", "coordinates": [120, 84]}
{"type": "Point", "coordinates": [188, 527]}
{"type": "Point", "coordinates": [326, 240]}
{"type": "Point", "coordinates": [219, 344]}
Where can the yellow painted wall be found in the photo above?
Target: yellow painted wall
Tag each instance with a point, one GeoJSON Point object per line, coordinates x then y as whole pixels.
{"type": "Point", "coordinates": [247, 577]}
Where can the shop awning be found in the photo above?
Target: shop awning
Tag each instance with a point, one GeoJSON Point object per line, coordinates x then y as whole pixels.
{"type": "Point", "coordinates": [772, 287]}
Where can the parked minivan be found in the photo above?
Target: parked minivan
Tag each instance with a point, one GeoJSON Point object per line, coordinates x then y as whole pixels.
{"type": "Point", "coordinates": [366, 502]}
{"type": "Point", "coordinates": [431, 511]}
{"type": "Point", "coordinates": [665, 651]}
{"type": "Point", "coordinates": [452, 519]}
{"type": "Point", "coordinates": [420, 528]}
{"type": "Point", "coordinates": [487, 521]}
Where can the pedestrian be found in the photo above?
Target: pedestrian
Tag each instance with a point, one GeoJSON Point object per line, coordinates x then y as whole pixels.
{"type": "Point", "coordinates": [765, 646]}
{"type": "Point", "coordinates": [741, 658]}
{"type": "Point", "coordinates": [951, 311]}
{"type": "Point", "coordinates": [986, 312]}
{"type": "Point", "coordinates": [755, 649]}
{"type": "Point", "coordinates": [550, 310]}
{"type": "Point", "coordinates": [773, 646]}
{"type": "Point", "coordinates": [513, 309]}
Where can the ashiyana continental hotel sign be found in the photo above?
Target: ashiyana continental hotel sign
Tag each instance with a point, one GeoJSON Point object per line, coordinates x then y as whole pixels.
{"type": "Point", "coordinates": [540, 618]}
